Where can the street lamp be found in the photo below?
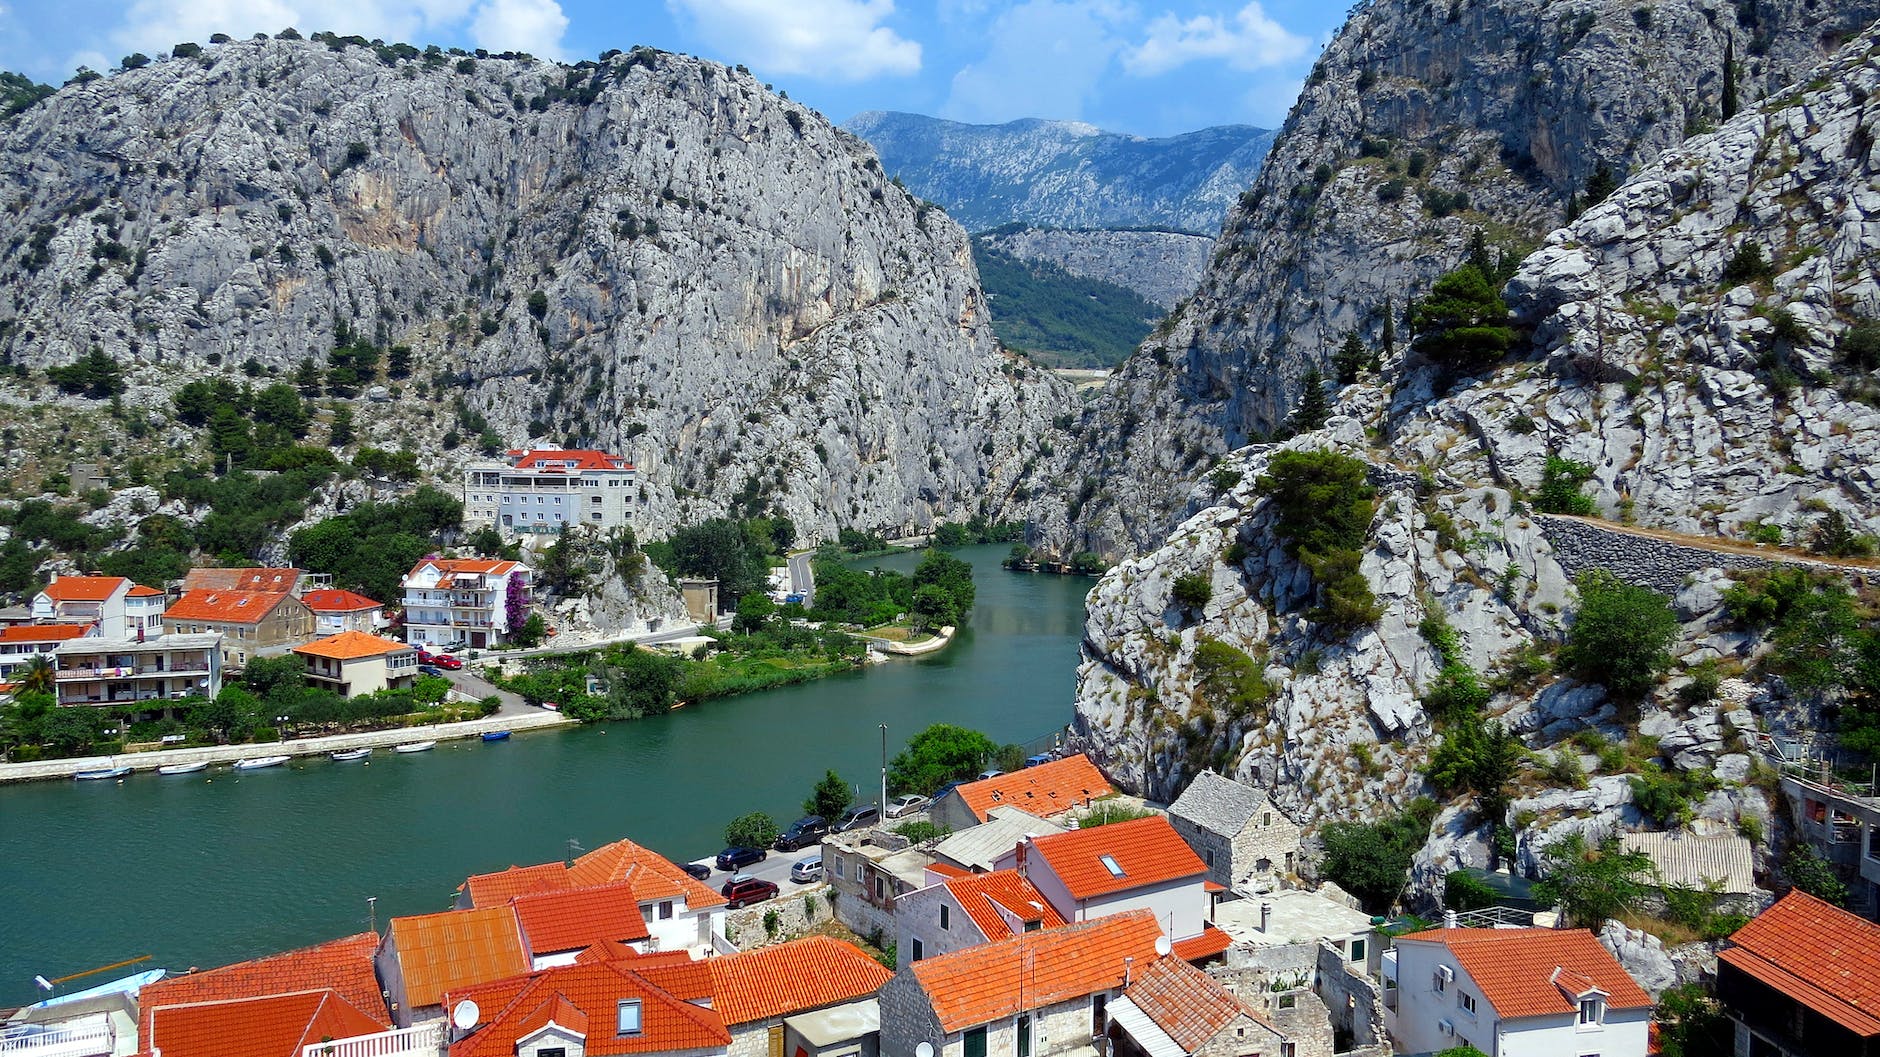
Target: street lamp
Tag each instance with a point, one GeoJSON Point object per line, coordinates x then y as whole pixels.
{"type": "Point", "coordinates": [280, 728]}
{"type": "Point", "coordinates": [884, 770]}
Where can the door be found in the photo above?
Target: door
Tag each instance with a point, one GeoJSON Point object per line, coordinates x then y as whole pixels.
{"type": "Point", "coordinates": [1024, 1035]}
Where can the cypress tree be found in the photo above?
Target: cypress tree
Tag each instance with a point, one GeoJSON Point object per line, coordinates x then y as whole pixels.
{"type": "Point", "coordinates": [1729, 78]}
{"type": "Point", "coordinates": [1350, 359]}
{"type": "Point", "coordinates": [1389, 337]}
{"type": "Point", "coordinates": [1313, 409]}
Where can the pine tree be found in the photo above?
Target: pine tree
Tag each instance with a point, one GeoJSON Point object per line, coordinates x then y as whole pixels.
{"type": "Point", "coordinates": [1389, 338]}
{"type": "Point", "coordinates": [1312, 409]}
{"type": "Point", "coordinates": [1350, 359]}
{"type": "Point", "coordinates": [1729, 78]}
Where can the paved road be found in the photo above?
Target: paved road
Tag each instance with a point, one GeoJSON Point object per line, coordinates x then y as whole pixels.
{"type": "Point", "coordinates": [802, 577]}
{"type": "Point", "coordinates": [469, 679]}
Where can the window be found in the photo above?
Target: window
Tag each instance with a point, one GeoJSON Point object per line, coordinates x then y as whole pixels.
{"type": "Point", "coordinates": [918, 950]}
{"type": "Point", "coordinates": [553, 1051]}
{"type": "Point", "coordinates": [1110, 865]}
{"type": "Point", "coordinates": [1466, 1001]}
{"type": "Point", "coordinates": [1592, 1011]}
{"type": "Point", "coordinates": [944, 916]}
{"type": "Point", "coordinates": [1357, 950]}
{"type": "Point", "coordinates": [975, 1042]}
{"type": "Point", "coordinates": [1288, 1049]}
{"type": "Point", "coordinates": [1024, 1035]}
{"type": "Point", "coordinates": [1444, 974]}
{"type": "Point", "coordinates": [628, 1017]}
{"type": "Point", "coordinates": [1266, 818]}
{"type": "Point", "coordinates": [665, 910]}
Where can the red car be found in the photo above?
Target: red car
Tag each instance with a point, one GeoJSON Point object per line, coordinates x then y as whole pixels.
{"type": "Point", "coordinates": [447, 662]}
{"type": "Point", "coordinates": [426, 656]}
{"type": "Point", "coordinates": [743, 891]}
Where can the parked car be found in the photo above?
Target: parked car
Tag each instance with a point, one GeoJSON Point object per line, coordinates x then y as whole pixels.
{"type": "Point", "coordinates": [698, 871]}
{"type": "Point", "coordinates": [447, 662]}
{"type": "Point", "coordinates": [990, 772]}
{"type": "Point", "coordinates": [742, 891]}
{"type": "Point", "coordinates": [906, 804]}
{"type": "Point", "coordinates": [803, 832]}
{"type": "Point", "coordinates": [426, 656]}
{"type": "Point", "coordinates": [856, 818]}
{"type": "Point", "coordinates": [944, 790]}
{"type": "Point", "coordinates": [1041, 758]}
{"type": "Point", "coordinates": [807, 871]}
{"type": "Point", "coordinates": [429, 669]}
{"type": "Point", "coordinates": [732, 858]}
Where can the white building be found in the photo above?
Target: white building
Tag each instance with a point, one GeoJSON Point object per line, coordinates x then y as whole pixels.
{"type": "Point", "coordinates": [21, 643]}
{"type": "Point", "coordinates": [462, 601]}
{"type": "Point", "coordinates": [119, 608]}
{"type": "Point", "coordinates": [541, 490]}
{"type": "Point", "coordinates": [159, 670]}
{"type": "Point", "coordinates": [1512, 993]}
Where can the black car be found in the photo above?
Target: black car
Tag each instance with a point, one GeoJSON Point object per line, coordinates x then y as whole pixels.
{"type": "Point", "coordinates": [698, 871]}
{"type": "Point", "coordinates": [803, 832]}
{"type": "Point", "coordinates": [732, 858]}
{"type": "Point", "coordinates": [856, 818]}
{"type": "Point", "coordinates": [944, 790]}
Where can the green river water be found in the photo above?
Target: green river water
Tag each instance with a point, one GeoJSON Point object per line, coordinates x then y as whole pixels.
{"type": "Point", "coordinates": [210, 868]}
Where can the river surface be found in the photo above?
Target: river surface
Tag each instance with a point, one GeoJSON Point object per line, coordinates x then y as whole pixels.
{"type": "Point", "coordinates": [211, 868]}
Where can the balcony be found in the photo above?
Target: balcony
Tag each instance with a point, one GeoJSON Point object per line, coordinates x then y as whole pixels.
{"type": "Point", "coordinates": [188, 666]}
{"type": "Point", "coordinates": [85, 1038]}
{"type": "Point", "coordinates": [425, 1040]}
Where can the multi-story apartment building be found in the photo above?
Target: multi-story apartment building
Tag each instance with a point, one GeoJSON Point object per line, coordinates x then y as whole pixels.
{"type": "Point", "coordinates": [465, 601]}
{"type": "Point", "coordinates": [115, 606]}
{"type": "Point", "coordinates": [543, 489]}
{"type": "Point", "coordinates": [160, 668]}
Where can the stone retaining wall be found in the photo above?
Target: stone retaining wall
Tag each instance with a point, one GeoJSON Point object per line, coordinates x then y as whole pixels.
{"type": "Point", "coordinates": [1660, 564]}
{"type": "Point", "coordinates": [799, 908]}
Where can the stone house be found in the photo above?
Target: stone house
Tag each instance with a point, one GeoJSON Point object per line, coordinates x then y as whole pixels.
{"type": "Point", "coordinates": [1250, 846]}
{"type": "Point", "coordinates": [252, 623]}
{"type": "Point", "coordinates": [1803, 978]}
{"type": "Point", "coordinates": [1173, 1008]}
{"type": "Point", "coordinates": [869, 870]}
{"type": "Point", "coordinates": [1038, 993]}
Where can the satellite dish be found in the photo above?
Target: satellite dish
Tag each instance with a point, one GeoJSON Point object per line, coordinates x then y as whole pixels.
{"type": "Point", "coordinates": [1163, 947]}
{"type": "Point", "coordinates": [466, 1015]}
{"type": "Point", "coordinates": [925, 1049]}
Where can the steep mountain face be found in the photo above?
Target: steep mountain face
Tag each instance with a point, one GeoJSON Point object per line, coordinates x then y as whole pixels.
{"type": "Point", "coordinates": [1702, 393]}
{"type": "Point", "coordinates": [652, 254]}
{"type": "Point", "coordinates": [1066, 173]}
{"type": "Point", "coordinates": [1161, 266]}
{"type": "Point", "coordinates": [1420, 126]}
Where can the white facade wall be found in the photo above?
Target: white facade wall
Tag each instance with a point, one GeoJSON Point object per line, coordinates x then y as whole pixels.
{"type": "Point", "coordinates": [525, 499]}
{"type": "Point", "coordinates": [685, 929]}
{"type": "Point", "coordinates": [1180, 907]}
{"type": "Point", "coordinates": [474, 611]}
{"type": "Point", "coordinates": [1415, 1026]}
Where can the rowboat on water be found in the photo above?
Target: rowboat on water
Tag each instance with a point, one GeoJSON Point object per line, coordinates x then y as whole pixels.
{"type": "Point", "coordinates": [184, 768]}
{"type": "Point", "coordinates": [261, 761]}
{"type": "Point", "coordinates": [416, 746]}
{"type": "Point", "coordinates": [349, 754]}
{"type": "Point", "coordinates": [98, 774]}
{"type": "Point", "coordinates": [495, 735]}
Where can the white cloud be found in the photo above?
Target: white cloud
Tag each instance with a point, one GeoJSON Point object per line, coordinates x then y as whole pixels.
{"type": "Point", "coordinates": [842, 40]}
{"type": "Point", "coordinates": [1246, 40]}
{"type": "Point", "coordinates": [1046, 59]}
{"type": "Point", "coordinates": [534, 26]}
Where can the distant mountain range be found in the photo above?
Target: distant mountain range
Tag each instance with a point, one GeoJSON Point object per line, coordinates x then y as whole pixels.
{"type": "Point", "coordinates": [1066, 173]}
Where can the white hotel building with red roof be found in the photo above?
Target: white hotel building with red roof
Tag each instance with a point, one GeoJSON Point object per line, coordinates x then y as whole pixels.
{"type": "Point", "coordinates": [542, 489]}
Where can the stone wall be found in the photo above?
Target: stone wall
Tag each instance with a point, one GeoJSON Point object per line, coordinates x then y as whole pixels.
{"type": "Point", "coordinates": [1354, 1002]}
{"type": "Point", "coordinates": [798, 911]}
{"type": "Point", "coordinates": [1660, 564]}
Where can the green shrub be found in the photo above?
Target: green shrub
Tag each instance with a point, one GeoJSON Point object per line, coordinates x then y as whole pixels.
{"type": "Point", "coordinates": [1748, 264]}
{"type": "Point", "coordinates": [1560, 488]}
{"type": "Point", "coordinates": [1324, 509]}
{"type": "Point", "coordinates": [1462, 890]}
{"type": "Point", "coordinates": [1231, 677]}
{"type": "Point", "coordinates": [1621, 635]}
{"type": "Point", "coordinates": [1463, 322]}
{"type": "Point", "coordinates": [1192, 590]}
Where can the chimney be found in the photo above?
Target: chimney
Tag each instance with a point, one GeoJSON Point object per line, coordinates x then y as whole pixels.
{"type": "Point", "coordinates": [1449, 919]}
{"type": "Point", "coordinates": [1128, 960]}
{"type": "Point", "coordinates": [1266, 915]}
{"type": "Point", "coordinates": [1024, 857]}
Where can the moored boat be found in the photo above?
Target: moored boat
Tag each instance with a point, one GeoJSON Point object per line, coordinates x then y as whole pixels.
{"type": "Point", "coordinates": [259, 762]}
{"type": "Point", "coordinates": [495, 735]}
{"type": "Point", "coordinates": [416, 746]}
{"type": "Point", "coordinates": [184, 768]}
{"type": "Point", "coordinates": [349, 754]}
{"type": "Point", "coordinates": [99, 774]}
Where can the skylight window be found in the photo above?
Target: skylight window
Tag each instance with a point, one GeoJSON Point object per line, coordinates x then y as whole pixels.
{"type": "Point", "coordinates": [1110, 865]}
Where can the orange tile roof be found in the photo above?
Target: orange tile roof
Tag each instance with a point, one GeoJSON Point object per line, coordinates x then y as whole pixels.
{"type": "Point", "coordinates": [1184, 1001]}
{"type": "Point", "coordinates": [43, 632]}
{"type": "Point", "coordinates": [512, 1008]}
{"type": "Point", "coordinates": [947, 869]}
{"type": "Point", "coordinates": [494, 889]}
{"type": "Point", "coordinates": [438, 952]}
{"type": "Point", "coordinates": [653, 876]}
{"type": "Point", "coordinates": [269, 579]}
{"type": "Point", "coordinates": [1818, 954]}
{"type": "Point", "coordinates": [792, 978]}
{"type": "Point", "coordinates": [84, 588]}
{"type": "Point", "coordinates": [980, 896]}
{"type": "Point", "coordinates": [350, 646]}
{"type": "Point", "coordinates": [579, 917]}
{"type": "Point", "coordinates": [472, 566]}
{"type": "Point", "coordinates": [1045, 790]}
{"type": "Point", "coordinates": [996, 980]}
{"type": "Point", "coordinates": [345, 965]}
{"type": "Point", "coordinates": [1518, 970]}
{"type": "Point", "coordinates": [557, 1010]}
{"type": "Point", "coordinates": [688, 981]}
{"type": "Point", "coordinates": [1210, 942]}
{"type": "Point", "coordinates": [273, 1026]}
{"type": "Point", "coordinates": [583, 458]}
{"type": "Point", "coordinates": [140, 591]}
{"type": "Point", "coordinates": [227, 607]}
{"type": "Point", "coordinates": [337, 601]}
{"type": "Point", "coordinates": [1146, 851]}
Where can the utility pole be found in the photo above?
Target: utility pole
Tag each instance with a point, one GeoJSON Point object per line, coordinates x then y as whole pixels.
{"type": "Point", "coordinates": [372, 912]}
{"type": "Point", "coordinates": [883, 802]}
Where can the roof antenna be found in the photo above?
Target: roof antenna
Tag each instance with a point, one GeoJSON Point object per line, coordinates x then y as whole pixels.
{"type": "Point", "coordinates": [574, 849]}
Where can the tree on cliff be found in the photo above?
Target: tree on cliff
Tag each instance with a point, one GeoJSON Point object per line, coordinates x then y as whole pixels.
{"type": "Point", "coordinates": [1463, 323]}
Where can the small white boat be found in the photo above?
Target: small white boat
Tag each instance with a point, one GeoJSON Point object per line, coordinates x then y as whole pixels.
{"type": "Point", "coordinates": [349, 754]}
{"type": "Point", "coordinates": [102, 774]}
{"type": "Point", "coordinates": [184, 768]}
{"type": "Point", "coordinates": [259, 762]}
{"type": "Point", "coordinates": [416, 746]}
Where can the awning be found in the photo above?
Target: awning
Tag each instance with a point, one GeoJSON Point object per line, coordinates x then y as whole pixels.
{"type": "Point", "coordinates": [1146, 1032]}
{"type": "Point", "coordinates": [844, 1023]}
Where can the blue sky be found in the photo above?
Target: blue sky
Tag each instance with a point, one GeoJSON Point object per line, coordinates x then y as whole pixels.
{"type": "Point", "coordinates": [1151, 67]}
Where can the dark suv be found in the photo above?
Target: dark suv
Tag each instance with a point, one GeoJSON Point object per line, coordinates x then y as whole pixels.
{"type": "Point", "coordinates": [743, 891]}
{"type": "Point", "coordinates": [804, 831]}
{"type": "Point", "coordinates": [857, 818]}
{"type": "Point", "coordinates": [732, 858]}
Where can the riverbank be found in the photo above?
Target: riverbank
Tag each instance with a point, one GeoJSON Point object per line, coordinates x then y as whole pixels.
{"type": "Point", "coordinates": [39, 770]}
{"type": "Point", "coordinates": [934, 644]}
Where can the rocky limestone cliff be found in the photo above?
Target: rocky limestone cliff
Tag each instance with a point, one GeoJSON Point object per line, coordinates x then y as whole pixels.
{"type": "Point", "coordinates": [1161, 266]}
{"type": "Point", "coordinates": [1067, 173]}
{"type": "Point", "coordinates": [1700, 403]}
{"type": "Point", "coordinates": [1421, 124]}
{"type": "Point", "coordinates": [731, 290]}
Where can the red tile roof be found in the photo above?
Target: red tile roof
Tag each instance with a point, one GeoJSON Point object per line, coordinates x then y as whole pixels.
{"type": "Point", "coordinates": [275, 580]}
{"type": "Point", "coordinates": [345, 965]}
{"type": "Point", "coordinates": [1184, 1001]}
{"type": "Point", "coordinates": [466, 566]}
{"type": "Point", "coordinates": [1519, 970]}
{"type": "Point", "coordinates": [43, 632]}
{"type": "Point", "coordinates": [981, 896]}
{"type": "Point", "coordinates": [337, 601]}
{"type": "Point", "coordinates": [1818, 954]}
{"type": "Point", "coordinates": [1209, 943]}
{"type": "Point", "coordinates": [579, 918]}
{"type": "Point", "coordinates": [84, 588]}
{"type": "Point", "coordinates": [653, 876]}
{"type": "Point", "coordinates": [495, 889]}
{"type": "Point", "coordinates": [352, 645]}
{"type": "Point", "coordinates": [512, 1008]}
{"type": "Point", "coordinates": [1045, 790]}
{"type": "Point", "coordinates": [557, 458]}
{"type": "Point", "coordinates": [688, 981]}
{"type": "Point", "coordinates": [439, 952]}
{"type": "Point", "coordinates": [996, 980]}
{"type": "Point", "coordinates": [792, 978]}
{"type": "Point", "coordinates": [558, 1011]}
{"type": "Point", "coordinates": [140, 591]}
{"type": "Point", "coordinates": [274, 1026]}
{"type": "Point", "coordinates": [226, 607]}
{"type": "Point", "coordinates": [1145, 851]}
